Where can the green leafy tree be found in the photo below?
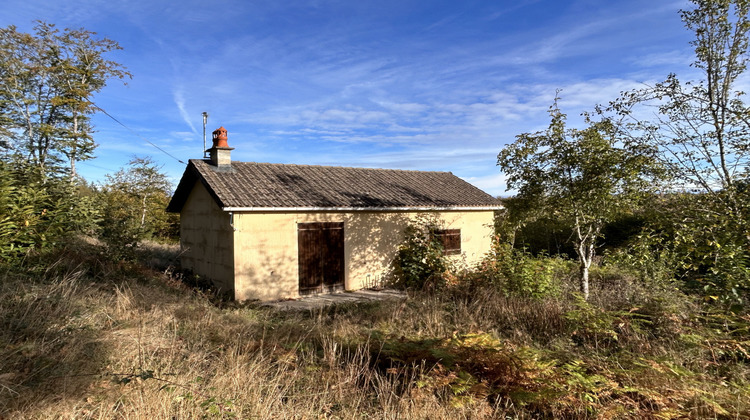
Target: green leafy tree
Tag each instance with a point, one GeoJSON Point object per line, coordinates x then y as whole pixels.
{"type": "Point", "coordinates": [702, 128]}
{"type": "Point", "coordinates": [701, 131]}
{"type": "Point", "coordinates": [135, 200]}
{"type": "Point", "coordinates": [582, 177]}
{"type": "Point", "coordinates": [47, 83]}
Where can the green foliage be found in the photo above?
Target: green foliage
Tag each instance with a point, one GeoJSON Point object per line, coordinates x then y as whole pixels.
{"type": "Point", "coordinates": [517, 272]}
{"type": "Point", "coordinates": [47, 81]}
{"type": "Point", "coordinates": [545, 235]}
{"type": "Point", "coordinates": [649, 256]}
{"type": "Point", "coordinates": [584, 389]}
{"type": "Point", "coordinates": [688, 240]}
{"type": "Point", "coordinates": [701, 136]}
{"type": "Point", "coordinates": [466, 367]}
{"type": "Point", "coordinates": [420, 262]}
{"type": "Point", "coordinates": [584, 178]}
{"type": "Point", "coordinates": [698, 140]}
{"type": "Point", "coordinates": [20, 215]}
{"type": "Point", "coordinates": [713, 249]}
{"type": "Point", "coordinates": [134, 202]}
{"type": "Point", "coordinates": [37, 211]}
{"type": "Point", "coordinates": [120, 229]}
{"type": "Point", "coordinates": [593, 326]}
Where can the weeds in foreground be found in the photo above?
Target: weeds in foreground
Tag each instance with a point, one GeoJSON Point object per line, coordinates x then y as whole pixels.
{"type": "Point", "coordinates": [87, 338]}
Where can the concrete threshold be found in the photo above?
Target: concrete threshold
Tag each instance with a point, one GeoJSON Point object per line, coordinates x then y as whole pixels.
{"type": "Point", "coordinates": [323, 300]}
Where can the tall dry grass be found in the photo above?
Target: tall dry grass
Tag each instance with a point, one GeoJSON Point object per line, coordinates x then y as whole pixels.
{"type": "Point", "coordinates": [83, 337]}
{"type": "Point", "coordinates": [92, 339]}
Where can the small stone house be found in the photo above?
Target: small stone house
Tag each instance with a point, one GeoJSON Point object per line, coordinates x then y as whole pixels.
{"type": "Point", "coordinates": [275, 231]}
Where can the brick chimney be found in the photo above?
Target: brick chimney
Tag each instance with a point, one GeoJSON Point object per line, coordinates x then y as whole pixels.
{"type": "Point", "coordinates": [220, 152]}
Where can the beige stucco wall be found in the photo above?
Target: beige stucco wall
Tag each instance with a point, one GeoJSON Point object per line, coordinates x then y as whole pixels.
{"type": "Point", "coordinates": [206, 239]}
{"type": "Point", "coordinates": [265, 251]}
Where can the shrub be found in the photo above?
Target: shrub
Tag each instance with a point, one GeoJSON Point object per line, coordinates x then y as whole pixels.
{"type": "Point", "coordinates": [517, 272]}
{"type": "Point", "coordinates": [121, 230]}
{"type": "Point", "coordinates": [648, 256]}
{"type": "Point", "coordinates": [37, 209]}
{"type": "Point", "coordinates": [420, 262]}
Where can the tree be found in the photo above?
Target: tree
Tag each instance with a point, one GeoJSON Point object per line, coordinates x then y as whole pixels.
{"type": "Point", "coordinates": [47, 84]}
{"type": "Point", "coordinates": [702, 128]}
{"type": "Point", "coordinates": [701, 131]}
{"type": "Point", "coordinates": [135, 200]}
{"type": "Point", "coordinates": [38, 211]}
{"type": "Point", "coordinates": [583, 177]}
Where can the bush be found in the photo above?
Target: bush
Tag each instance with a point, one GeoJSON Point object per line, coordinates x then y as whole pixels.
{"type": "Point", "coordinates": [37, 210]}
{"type": "Point", "coordinates": [121, 229]}
{"type": "Point", "coordinates": [647, 256]}
{"type": "Point", "coordinates": [420, 262]}
{"type": "Point", "coordinates": [519, 273]}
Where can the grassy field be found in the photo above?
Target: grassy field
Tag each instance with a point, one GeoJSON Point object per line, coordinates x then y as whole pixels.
{"type": "Point", "coordinates": [83, 337]}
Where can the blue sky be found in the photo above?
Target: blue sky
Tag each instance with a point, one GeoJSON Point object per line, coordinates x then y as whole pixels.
{"type": "Point", "coordinates": [427, 85]}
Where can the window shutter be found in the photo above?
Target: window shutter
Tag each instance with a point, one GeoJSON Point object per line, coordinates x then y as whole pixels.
{"type": "Point", "coordinates": [451, 240]}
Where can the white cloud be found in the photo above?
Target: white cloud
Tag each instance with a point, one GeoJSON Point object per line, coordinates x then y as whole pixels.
{"type": "Point", "coordinates": [493, 184]}
{"type": "Point", "coordinates": [301, 83]}
{"type": "Point", "coordinates": [676, 59]}
{"type": "Point", "coordinates": [179, 100]}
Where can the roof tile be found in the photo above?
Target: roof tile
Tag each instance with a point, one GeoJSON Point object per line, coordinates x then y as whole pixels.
{"type": "Point", "coordinates": [269, 185]}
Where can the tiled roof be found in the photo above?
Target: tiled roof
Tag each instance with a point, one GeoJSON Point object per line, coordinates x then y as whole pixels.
{"type": "Point", "coordinates": [266, 185]}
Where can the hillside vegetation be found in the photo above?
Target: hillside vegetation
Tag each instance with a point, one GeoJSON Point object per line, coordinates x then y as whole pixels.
{"type": "Point", "coordinates": [84, 337]}
{"type": "Point", "coordinates": [617, 286]}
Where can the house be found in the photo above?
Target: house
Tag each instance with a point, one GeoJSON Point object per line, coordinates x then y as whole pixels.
{"type": "Point", "coordinates": [274, 231]}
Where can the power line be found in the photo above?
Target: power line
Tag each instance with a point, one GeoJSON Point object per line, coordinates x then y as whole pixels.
{"type": "Point", "coordinates": [83, 162]}
{"type": "Point", "coordinates": [134, 132]}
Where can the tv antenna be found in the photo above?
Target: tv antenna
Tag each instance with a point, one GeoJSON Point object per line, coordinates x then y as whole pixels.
{"type": "Point", "coordinates": [205, 120]}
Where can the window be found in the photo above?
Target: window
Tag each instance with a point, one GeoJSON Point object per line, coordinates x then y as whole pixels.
{"type": "Point", "coordinates": [450, 239]}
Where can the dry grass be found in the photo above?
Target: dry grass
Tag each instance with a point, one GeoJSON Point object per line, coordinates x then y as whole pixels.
{"type": "Point", "coordinates": [83, 338]}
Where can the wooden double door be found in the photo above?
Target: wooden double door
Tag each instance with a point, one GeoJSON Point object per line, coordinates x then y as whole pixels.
{"type": "Point", "coordinates": [321, 257]}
